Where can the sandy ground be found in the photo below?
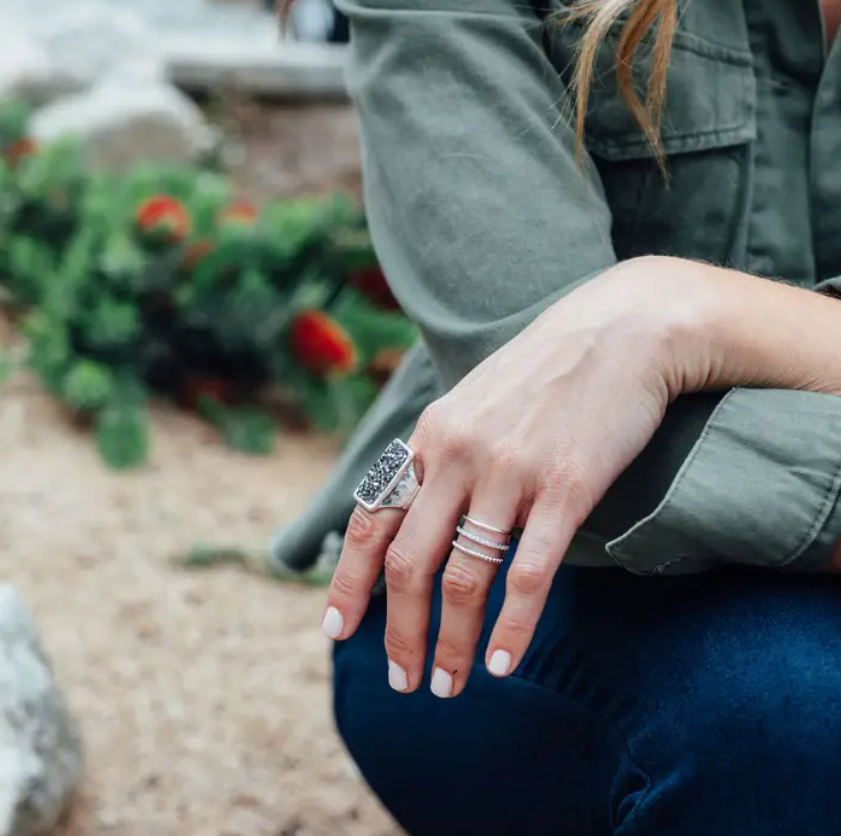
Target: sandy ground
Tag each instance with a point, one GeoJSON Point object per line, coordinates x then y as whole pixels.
{"type": "Point", "coordinates": [202, 695]}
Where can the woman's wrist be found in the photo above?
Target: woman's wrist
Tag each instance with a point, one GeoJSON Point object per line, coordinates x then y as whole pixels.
{"type": "Point", "coordinates": [725, 328]}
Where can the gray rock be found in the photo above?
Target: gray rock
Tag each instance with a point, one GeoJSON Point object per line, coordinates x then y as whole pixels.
{"type": "Point", "coordinates": [40, 752]}
{"type": "Point", "coordinates": [123, 121]}
{"type": "Point", "coordinates": [91, 40]}
{"type": "Point", "coordinates": [27, 71]}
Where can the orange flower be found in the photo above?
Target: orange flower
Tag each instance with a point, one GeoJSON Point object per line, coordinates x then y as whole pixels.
{"type": "Point", "coordinates": [164, 214]}
{"type": "Point", "coordinates": [18, 150]}
{"type": "Point", "coordinates": [321, 345]}
{"type": "Point", "coordinates": [241, 212]}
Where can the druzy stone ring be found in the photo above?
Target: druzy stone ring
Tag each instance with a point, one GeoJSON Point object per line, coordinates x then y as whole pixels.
{"type": "Point", "coordinates": [391, 482]}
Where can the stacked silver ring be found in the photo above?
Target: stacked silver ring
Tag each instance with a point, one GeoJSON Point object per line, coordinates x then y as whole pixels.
{"type": "Point", "coordinates": [482, 541]}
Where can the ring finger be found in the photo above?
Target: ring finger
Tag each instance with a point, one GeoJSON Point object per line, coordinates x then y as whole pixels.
{"type": "Point", "coordinates": [479, 550]}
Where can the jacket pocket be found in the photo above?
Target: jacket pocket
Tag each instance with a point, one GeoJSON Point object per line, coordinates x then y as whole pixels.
{"type": "Point", "coordinates": [708, 123]}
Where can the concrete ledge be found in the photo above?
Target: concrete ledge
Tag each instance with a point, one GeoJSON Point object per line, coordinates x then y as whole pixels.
{"type": "Point", "coordinates": [265, 67]}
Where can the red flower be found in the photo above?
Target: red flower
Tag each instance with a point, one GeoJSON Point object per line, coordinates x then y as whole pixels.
{"type": "Point", "coordinates": [371, 282]}
{"type": "Point", "coordinates": [18, 150]}
{"type": "Point", "coordinates": [240, 212]}
{"type": "Point", "coordinates": [321, 345]}
{"type": "Point", "coordinates": [166, 215]}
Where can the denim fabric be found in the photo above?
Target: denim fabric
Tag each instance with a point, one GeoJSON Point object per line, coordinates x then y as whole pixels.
{"type": "Point", "coordinates": [703, 705]}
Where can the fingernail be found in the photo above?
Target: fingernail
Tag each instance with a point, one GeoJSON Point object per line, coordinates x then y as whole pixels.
{"type": "Point", "coordinates": [500, 663]}
{"type": "Point", "coordinates": [333, 623]}
{"type": "Point", "coordinates": [397, 677]}
{"type": "Point", "coordinates": [442, 683]}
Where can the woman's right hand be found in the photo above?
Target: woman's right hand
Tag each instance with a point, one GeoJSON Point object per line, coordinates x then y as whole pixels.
{"type": "Point", "coordinates": [532, 437]}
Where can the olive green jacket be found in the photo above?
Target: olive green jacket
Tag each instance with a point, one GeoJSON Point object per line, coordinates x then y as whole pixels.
{"type": "Point", "coordinates": [482, 220]}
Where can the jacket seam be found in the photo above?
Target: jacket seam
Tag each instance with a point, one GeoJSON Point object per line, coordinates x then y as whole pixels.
{"type": "Point", "coordinates": [731, 134]}
{"type": "Point", "coordinates": [830, 499]}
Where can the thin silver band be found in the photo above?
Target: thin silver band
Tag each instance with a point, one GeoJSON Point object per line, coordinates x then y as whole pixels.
{"type": "Point", "coordinates": [487, 527]}
{"type": "Point", "coordinates": [471, 553]}
{"type": "Point", "coordinates": [503, 547]}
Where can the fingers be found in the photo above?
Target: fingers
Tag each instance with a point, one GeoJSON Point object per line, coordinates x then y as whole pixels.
{"type": "Point", "coordinates": [411, 563]}
{"type": "Point", "coordinates": [368, 536]}
{"type": "Point", "coordinates": [465, 587]}
{"type": "Point", "coordinates": [540, 552]}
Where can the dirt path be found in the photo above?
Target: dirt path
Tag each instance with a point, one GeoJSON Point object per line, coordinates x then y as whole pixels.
{"type": "Point", "coordinates": [203, 696]}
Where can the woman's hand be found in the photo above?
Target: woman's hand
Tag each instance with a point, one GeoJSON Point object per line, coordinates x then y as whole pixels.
{"type": "Point", "coordinates": [532, 437]}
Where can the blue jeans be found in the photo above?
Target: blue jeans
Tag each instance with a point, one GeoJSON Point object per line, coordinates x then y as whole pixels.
{"type": "Point", "coordinates": [704, 705]}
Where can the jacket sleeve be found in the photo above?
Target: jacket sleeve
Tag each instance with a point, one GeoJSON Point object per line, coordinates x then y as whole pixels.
{"type": "Point", "coordinates": [482, 219]}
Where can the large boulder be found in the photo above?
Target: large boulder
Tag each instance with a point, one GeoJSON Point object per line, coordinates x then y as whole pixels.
{"type": "Point", "coordinates": [91, 40]}
{"type": "Point", "coordinates": [123, 121]}
{"type": "Point", "coordinates": [49, 48]}
{"type": "Point", "coordinates": [26, 70]}
{"type": "Point", "coordinates": [40, 752]}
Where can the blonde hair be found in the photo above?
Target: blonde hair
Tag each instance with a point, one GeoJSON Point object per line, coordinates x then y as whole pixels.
{"type": "Point", "coordinates": [598, 17]}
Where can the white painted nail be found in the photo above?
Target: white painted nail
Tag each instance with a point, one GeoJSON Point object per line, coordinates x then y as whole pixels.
{"type": "Point", "coordinates": [500, 663]}
{"type": "Point", "coordinates": [442, 683]}
{"type": "Point", "coordinates": [333, 623]}
{"type": "Point", "coordinates": [397, 677]}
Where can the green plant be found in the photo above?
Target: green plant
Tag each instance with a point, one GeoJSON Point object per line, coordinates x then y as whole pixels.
{"type": "Point", "coordinates": [164, 283]}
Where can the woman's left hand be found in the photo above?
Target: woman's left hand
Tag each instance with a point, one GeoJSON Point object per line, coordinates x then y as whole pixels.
{"type": "Point", "coordinates": [532, 437]}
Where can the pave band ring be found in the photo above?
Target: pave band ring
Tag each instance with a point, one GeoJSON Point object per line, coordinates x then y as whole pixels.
{"type": "Point", "coordinates": [479, 555]}
{"type": "Point", "coordinates": [391, 482]}
{"type": "Point", "coordinates": [502, 547]}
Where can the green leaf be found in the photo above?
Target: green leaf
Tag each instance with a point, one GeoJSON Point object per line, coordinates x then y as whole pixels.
{"type": "Point", "coordinates": [120, 257]}
{"type": "Point", "coordinates": [31, 265]}
{"type": "Point", "coordinates": [15, 115]}
{"type": "Point", "coordinates": [373, 330]}
{"type": "Point", "coordinates": [122, 436]}
{"type": "Point", "coordinates": [248, 429]}
{"type": "Point", "coordinates": [111, 323]}
{"type": "Point", "coordinates": [202, 555]}
{"type": "Point", "coordinates": [49, 346]}
{"type": "Point", "coordinates": [88, 385]}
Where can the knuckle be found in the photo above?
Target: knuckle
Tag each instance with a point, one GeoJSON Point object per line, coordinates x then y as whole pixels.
{"type": "Point", "coordinates": [565, 485]}
{"type": "Point", "coordinates": [397, 643]}
{"type": "Point", "coordinates": [461, 586]}
{"type": "Point", "coordinates": [455, 437]}
{"type": "Point", "coordinates": [506, 458]}
{"type": "Point", "coordinates": [361, 528]}
{"type": "Point", "coordinates": [400, 571]}
{"type": "Point", "coordinates": [527, 578]}
{"type": "Point", "coordinates": [449, 652]}
{"type": "Point", "coordinates": [516, 631]}
{"type": "Point", "coordinates": [344, 585]}
{"type": "Point", "coordinates": [443, 435]}
{"type": "Point", "coordinates": [429, 422]}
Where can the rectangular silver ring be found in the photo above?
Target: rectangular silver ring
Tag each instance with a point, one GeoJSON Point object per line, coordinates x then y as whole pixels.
{"type": "Point", "coordinates": [384, 475]}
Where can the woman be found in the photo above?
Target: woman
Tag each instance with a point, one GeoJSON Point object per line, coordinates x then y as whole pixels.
{"type": "Point", "coordinates": [624, 384]}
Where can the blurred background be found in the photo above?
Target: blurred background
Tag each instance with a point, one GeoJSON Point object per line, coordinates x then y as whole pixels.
{"type": "Point", "coordinates": [192, 321]}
